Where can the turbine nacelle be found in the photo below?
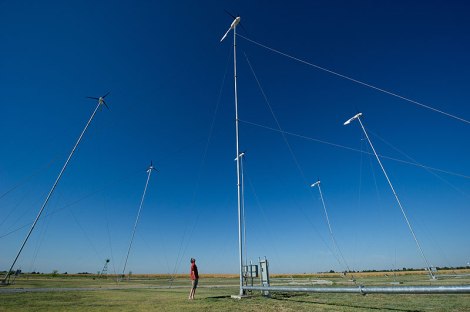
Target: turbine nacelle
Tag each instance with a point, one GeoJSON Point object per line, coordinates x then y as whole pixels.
{"type": "Point", "coordinates": [315, 184]}
{"type": "Point", "coordinates": [347, 122]}
{"type": "Point", "coordinates": [241, 155]}
{"type": "Point", "coordinates": [232, 26]}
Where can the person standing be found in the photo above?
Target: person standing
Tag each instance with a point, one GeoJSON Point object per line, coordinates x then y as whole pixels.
{"type": "Point", "coordinates": [194, 278]}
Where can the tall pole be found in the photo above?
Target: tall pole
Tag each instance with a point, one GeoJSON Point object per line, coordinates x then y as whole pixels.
{"type": "Point", "coordinates": [149, 171]}
{"type": "Point", "coordinates": [240, 245]}
{"type": "Point", "coordinates": [358, 117]}
{"type": "Point", "coordinates": [5, 279]}
{"type": "Point", "coordinates": [242, 155]}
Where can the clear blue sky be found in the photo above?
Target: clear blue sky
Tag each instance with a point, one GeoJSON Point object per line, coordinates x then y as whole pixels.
{"type": "Point", "coordinates": [165, 68]}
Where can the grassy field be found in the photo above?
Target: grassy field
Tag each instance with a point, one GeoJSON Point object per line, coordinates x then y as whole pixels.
{"type": "Point", "coordinates": [159, 293]}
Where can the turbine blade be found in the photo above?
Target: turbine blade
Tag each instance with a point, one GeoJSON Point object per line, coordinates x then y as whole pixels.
{"type": "Point", "coordinates": [230, 14]}
{"type": "Point", "coordinates": [106, 94]}
{"type": "Point", "coordinates": [91, 97]}
{"type": "Point", "coordinates": [244, 29]}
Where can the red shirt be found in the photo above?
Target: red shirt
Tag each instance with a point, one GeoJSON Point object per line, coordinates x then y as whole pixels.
{"type": "Point", "coordinates": [194, 272]}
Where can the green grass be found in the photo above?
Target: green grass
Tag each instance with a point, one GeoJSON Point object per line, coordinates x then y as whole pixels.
{"type": "Point", "coordinates": [155, 294]}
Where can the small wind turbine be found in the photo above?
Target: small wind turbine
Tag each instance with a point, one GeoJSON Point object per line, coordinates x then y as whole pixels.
{"type": "Point", "coordinates": [149, 171]}
{"type": "Point", "coordinates": [358, 117]}
{"type": "Point", "coordinates": [233, 26]}
{"type": "Point", "coordinates": [100, 99]}
{"type": "Point", "coordinates": [100, 102]}
{"type": "Point", "coordinates": [347, 122]}
{"type": "Point", "coordinates": [241, 155]}
{"type": "Point", "coordinates": [315, 184]}
{"type": "Point", "coordinates": [329, 226]}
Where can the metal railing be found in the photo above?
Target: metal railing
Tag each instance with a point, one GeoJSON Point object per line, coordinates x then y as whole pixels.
{"type": "Point", "coordinates": [462, 289]}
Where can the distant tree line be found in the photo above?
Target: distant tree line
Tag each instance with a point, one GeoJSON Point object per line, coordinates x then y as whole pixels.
{"type": "Point", "coordinates": [402, 269]}
{"type": "Point", "coordinates": [55, 272]}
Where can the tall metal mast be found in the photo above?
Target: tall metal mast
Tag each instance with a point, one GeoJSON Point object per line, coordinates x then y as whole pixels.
{"type": "Point", "coordinates": [358, 117]}
{"type": "Point", "coordinates": [329, 225]}
{"type": "Point", "coordinates": [241, 156]}
{"type": "Point", "coordinates": [149, 171]}
{"type": "Point", "coordinates": [100, 102]}
{"type": "Point", "coordinates": [240, 245]}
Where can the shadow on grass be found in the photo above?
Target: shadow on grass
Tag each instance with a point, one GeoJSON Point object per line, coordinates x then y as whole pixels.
{"type": "Point", "coordinates": [287, 297]}
{"type": "Point", "coordinates": [218, 297]}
